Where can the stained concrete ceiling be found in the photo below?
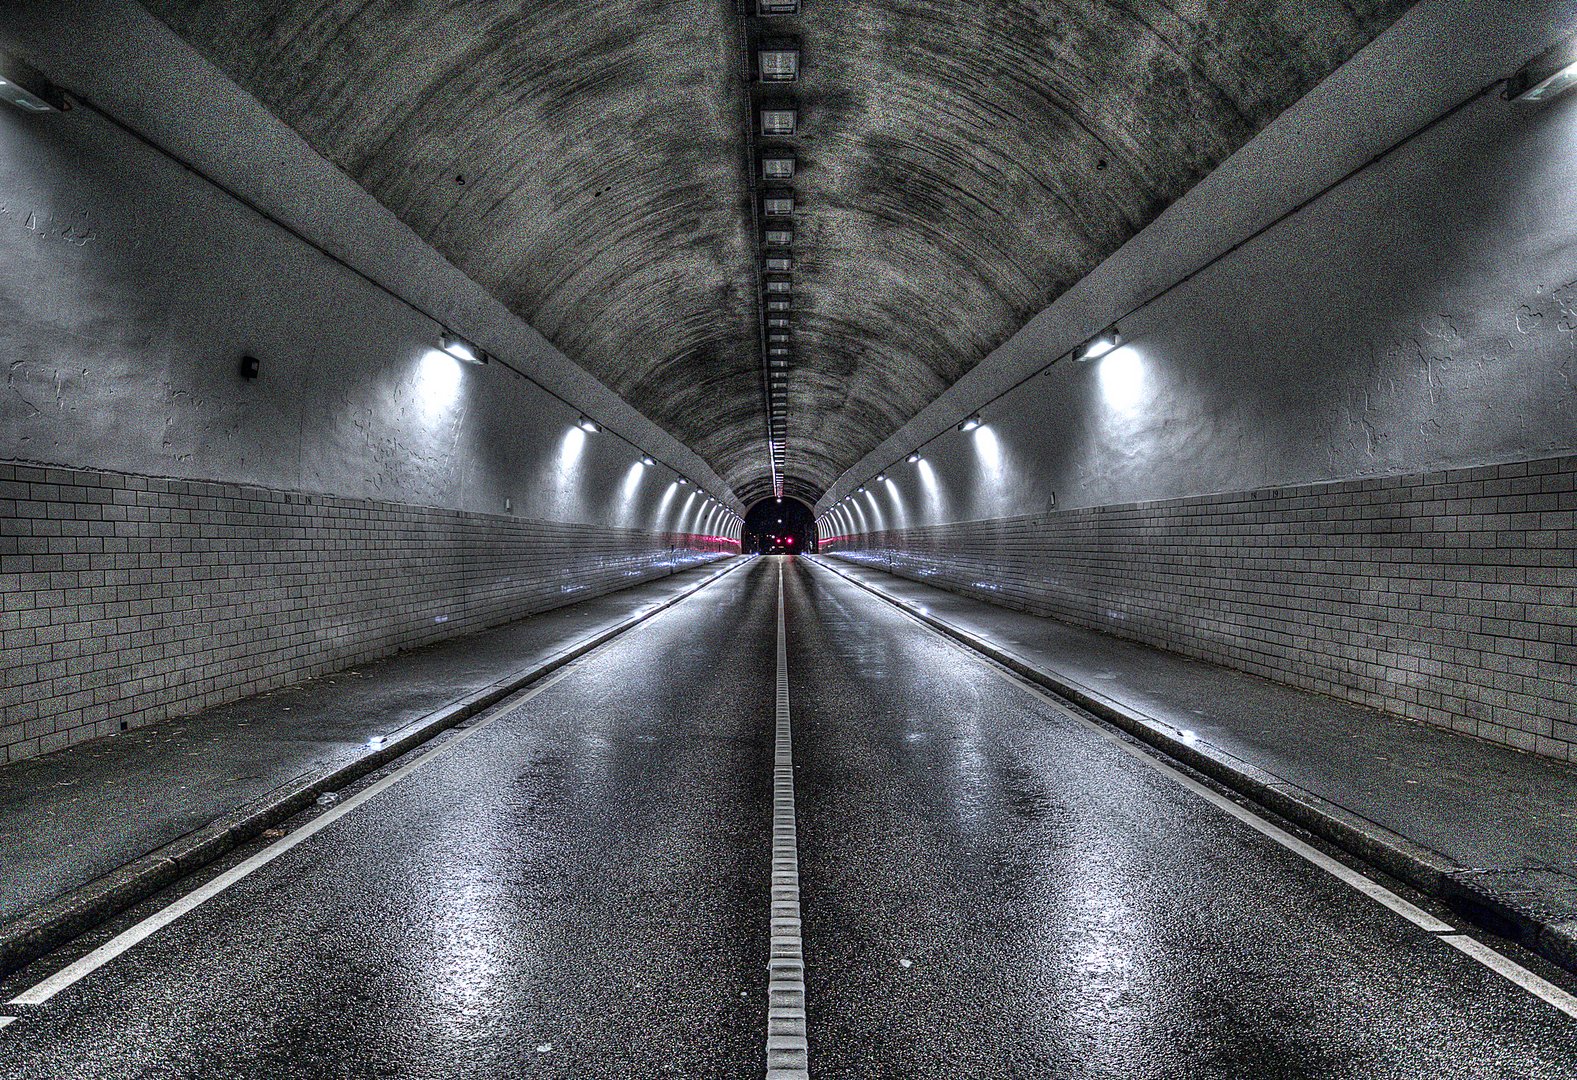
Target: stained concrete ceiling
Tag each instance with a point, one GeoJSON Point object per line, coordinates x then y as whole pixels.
{"type": "Point", "coordinates": [960, 165]}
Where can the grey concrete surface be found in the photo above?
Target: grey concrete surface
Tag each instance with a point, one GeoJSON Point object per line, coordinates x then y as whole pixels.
{"type": "Point", "coordinates": [69, 817]}
{"type": "Point", "coordinates": [236, 286]}
{"type": "Point", "coordinates": [990, 889]}
{"type": "Point", "coordinates": [580, 890]}
{"type": "Point", "coordinates": [1508, 819]}
{"type": "Point", "coordinates": [1413, 318]}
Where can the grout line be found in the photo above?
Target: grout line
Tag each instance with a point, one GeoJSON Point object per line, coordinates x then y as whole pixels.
{"type": "Point", "coordinates": [788, 1052]}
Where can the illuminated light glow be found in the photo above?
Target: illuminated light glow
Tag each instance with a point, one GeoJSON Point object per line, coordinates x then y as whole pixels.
{"type": "Point", "coordinates": [437, 381]}
{"type": "Point", "coordinates": [648, 460]}
{"type": "Point", "coordinates": [913, 457]}
{"type": "Point", "coordinates": [989, 449]}
{"type": "Point", "coordinates": [1099, 345]}
{"type": "Point", "coordinates": [632, 481]}
{"type": "Point", "coordinates": [570, 449]}
{"type": "Point", "coordinates": [881, 476]}
{"type": "Point", "coordinates": [667, 500]}
{"type": "Point", "coordinates": [1122, 380]}
{"type": "Point", "coordinates": [969, 424]}
{"type": "Point", "coordinates": [587, 424]}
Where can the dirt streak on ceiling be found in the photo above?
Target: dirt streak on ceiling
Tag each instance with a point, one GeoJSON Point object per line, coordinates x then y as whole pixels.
{"type": "Point", "coordinates": [961, 165]}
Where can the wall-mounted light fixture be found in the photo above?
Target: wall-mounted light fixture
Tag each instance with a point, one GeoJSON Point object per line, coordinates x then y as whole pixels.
{"type": "Point", "coordinates": [648, 460]}
{"type": "Point", "coordinates": [881, 476]}
{"type": "Point", "coordinates": [586, 423]}
{"type": "Point", "coordinates": [969, 424]}
{"type": "Point", "coordinates": [461, 349]}
{"type": "Point", "coordinates": [1548, 75]}
{"type": "Point", "coordinates": [25, 88]}
{"type": "Point", "coordinates": [913, 457]}
{"type": "Point", "coordinates": [683, 482]}
{"type": "Point", "coordinates": [1099, 345]}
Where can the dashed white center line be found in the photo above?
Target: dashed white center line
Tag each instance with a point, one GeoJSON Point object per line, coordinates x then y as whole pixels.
{"type": "Point", "coordinates": [788, 1053]}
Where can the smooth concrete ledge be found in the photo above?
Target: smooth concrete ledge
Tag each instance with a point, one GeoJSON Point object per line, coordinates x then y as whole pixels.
{"type": "Point", "coordinates": [1424, 869]}
{"type": "Point", "coordinates": [64, 919]}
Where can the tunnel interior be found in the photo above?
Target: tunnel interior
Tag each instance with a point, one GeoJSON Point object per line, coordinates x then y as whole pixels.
{"type": "Point", "coordinates": [413, 408]}
{"type": "Point", "coordinates": [781, 525]}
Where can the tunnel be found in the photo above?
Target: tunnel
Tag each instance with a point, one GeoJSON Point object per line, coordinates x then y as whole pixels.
{"type": "Point", "coordinates": [788, 538]}
{"type": "Point", "coordinates": [778, 526]}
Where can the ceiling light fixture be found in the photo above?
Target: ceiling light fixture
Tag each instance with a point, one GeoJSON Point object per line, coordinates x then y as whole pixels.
{"type": "Point", "coordinates": [648, 460]}
{"type": "Point", "coordinates": [778, 236]}
{"type": "Point", "coordinates": [912, 458]}
{"type": "Point", "coordinates": [586, 423]}
{"type": "Point", "coordinates": [778, 61]}
{"type": "Point", "coordinates": [780, 262]}
{"type": "Point", "coordinates": [970, 424]}
{"type": "Point", "coordinates": [780, 285]}
{"type": "Point", "coordinates": [778, 203]}
{"type": "Point", "coordinates": [1099, 345]}
{"type": "Point", "coordinates": [777, 166]}
{"type": "Point", "coordinates": [779, 120]}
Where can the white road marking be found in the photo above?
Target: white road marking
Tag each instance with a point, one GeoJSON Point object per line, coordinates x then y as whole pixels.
{"type": "Point", "coordinates": [1497, 962]}
{"type": "Point", "coordinates": [7, 1021]}
{"type": "Point", "coordinates": [145, 929]}
{"type": "Point", "coordinates": [151, 925]}
{"type": "Point", "coordinates": [788, 1052]}
{"type": "Point", "coordinates": [1512, 971]}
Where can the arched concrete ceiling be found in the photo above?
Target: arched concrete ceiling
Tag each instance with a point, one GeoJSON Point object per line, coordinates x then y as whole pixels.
{"type": "Point", "coordinates": [961, 164]}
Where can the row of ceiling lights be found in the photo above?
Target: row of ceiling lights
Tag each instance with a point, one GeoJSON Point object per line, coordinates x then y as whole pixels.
{"type": "Point", "coordinates": [468, 353]}
{"type": "Point", "coordinates": [776, 116]}
{"type": "Point", "coordinates": [1092, 349]}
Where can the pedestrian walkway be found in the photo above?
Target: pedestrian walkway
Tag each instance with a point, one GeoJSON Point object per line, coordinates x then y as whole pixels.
{"type": "Point", "coordinates": [72, 816]}
{"type": "Point", "coordinates": [1490, 829]}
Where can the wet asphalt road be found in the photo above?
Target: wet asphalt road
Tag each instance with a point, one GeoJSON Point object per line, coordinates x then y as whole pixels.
{"type": "Point", "coordinates": [989, 890]}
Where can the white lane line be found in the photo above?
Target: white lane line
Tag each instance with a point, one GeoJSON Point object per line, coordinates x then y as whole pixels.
{"type": "Point", "coordinates": [1512, 971]}
{"type": "Point", "coordinates": [1497, 962]}
{"type": "Point", "coordinates": [788, 1052]}
{"type": "Point", "coordinates": [7, 1021]}
{"type": "Point", "coordinates": [145, 929]}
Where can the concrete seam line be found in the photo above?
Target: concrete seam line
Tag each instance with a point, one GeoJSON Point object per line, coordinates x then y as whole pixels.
{"type": "Point", "coordinates": [1429, 871]}
{"type": "Point", "coordinates": [788, 1051]}
{"type": "Point", "coordinates": [72, 914]}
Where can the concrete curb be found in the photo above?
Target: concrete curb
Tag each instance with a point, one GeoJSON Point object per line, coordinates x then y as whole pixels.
{"type": "Point", "coordinates": [63, 919]}
{"type": "Point", "coordinates": [1426, 870]}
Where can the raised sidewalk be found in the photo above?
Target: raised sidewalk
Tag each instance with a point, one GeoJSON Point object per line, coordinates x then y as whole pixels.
{"type": "Point", "coordinates": [1487, 829]}
{"type": "Point", "coordinates": [88, 831]}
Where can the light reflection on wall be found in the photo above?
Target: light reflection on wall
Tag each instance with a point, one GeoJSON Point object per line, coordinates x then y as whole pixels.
{"type": "Point", "coordinates": [1122, 380]}
{"type": "Point", "coordinates": [900, 511]}
{"type": "Point", "coordinates": [876, 511]}
{"type": "Point", "coordinates": [989, 449]}
{"type": "Point", "coordinates": [665, 503]}
{"type": "Point", "coordinates": [437, 382]}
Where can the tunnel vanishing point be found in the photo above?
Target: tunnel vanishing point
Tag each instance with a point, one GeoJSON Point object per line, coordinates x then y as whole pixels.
{"type": "Point", "coordinates": [782, 538]}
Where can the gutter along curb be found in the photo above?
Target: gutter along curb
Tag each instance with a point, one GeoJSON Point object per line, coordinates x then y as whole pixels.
{"type": "Point", "coordinates": [65, 918]}
{"type": "Point", "coordinates": [1553, 937]}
